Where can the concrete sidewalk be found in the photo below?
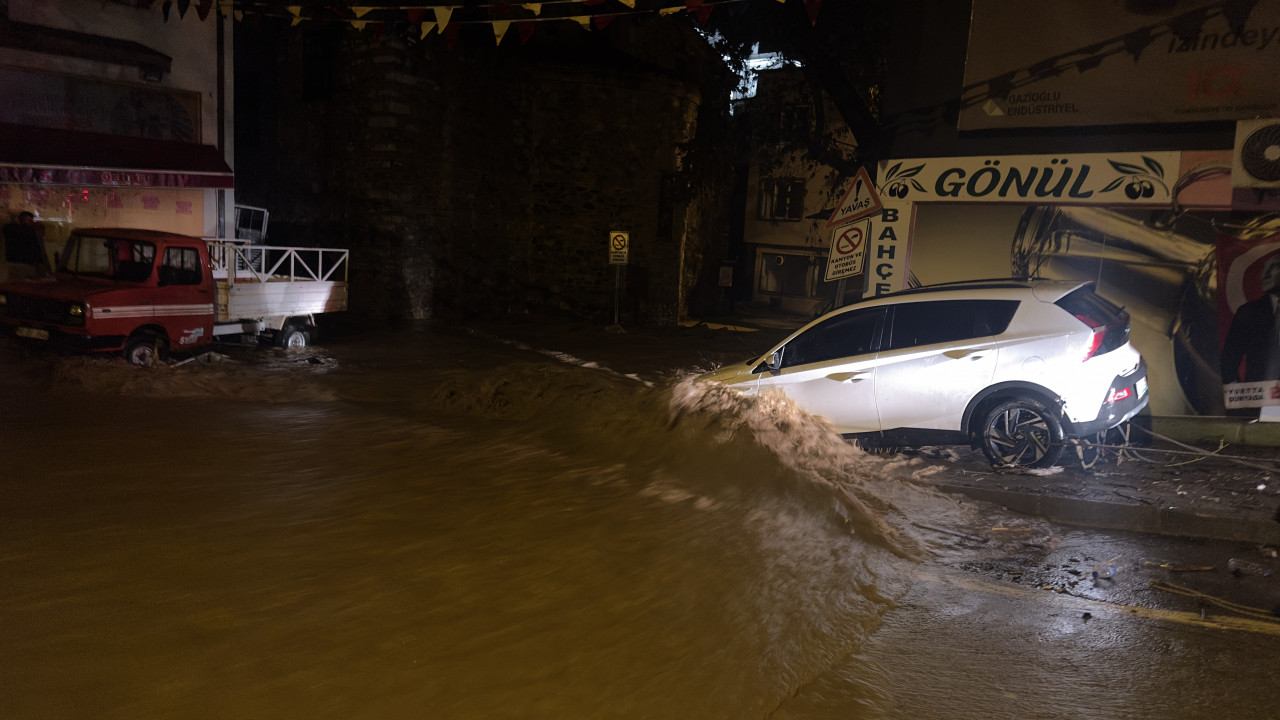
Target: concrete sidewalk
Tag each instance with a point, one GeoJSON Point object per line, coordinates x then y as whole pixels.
{"type": "Point", "coordinates": [1223, 496]}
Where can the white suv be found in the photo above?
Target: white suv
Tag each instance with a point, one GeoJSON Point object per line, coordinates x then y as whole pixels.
{"type": "Point", "coordinates": [1014, 367]}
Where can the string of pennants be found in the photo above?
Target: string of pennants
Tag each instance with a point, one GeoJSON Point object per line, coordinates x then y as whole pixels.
{"type": "Point", "coordinates": [441, 19]}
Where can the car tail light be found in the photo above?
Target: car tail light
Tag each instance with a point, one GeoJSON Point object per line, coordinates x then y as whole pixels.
{"type": "Point", "coordinates": [1119, 394]}
{"type": "Point", "coordinates": [1095, 340]}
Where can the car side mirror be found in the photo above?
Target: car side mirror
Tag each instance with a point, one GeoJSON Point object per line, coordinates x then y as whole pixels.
{"type": "Point", "coordinates": [774, 361]}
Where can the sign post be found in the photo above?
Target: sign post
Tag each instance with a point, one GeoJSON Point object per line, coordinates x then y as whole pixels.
{"type": "Point", "coordinates": [848, 254]}
{"type": "Point", "coordinates": [619, 245]}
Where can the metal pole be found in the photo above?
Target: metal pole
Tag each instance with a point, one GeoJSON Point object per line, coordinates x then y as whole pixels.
{"type": "Point", "coordinates": [617, 290]}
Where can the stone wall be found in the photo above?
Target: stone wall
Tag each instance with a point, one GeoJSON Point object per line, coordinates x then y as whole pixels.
{"type": "Point", "coordinates": [471, 182]}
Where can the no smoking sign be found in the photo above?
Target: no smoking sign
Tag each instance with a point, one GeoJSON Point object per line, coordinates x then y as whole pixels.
{"type": "Point", "coordinates": [848, 250]}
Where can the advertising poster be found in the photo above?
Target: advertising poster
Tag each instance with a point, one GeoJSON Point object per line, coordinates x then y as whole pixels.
{"type": "Point", "coordinates": [1248, 295]}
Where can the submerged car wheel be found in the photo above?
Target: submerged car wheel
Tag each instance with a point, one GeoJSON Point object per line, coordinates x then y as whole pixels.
{"type": "Point", "coordinates": [1021, 433]}
{"type": "Point", "coordinates": [145, 350]}
{"type": "Point", "coordinates": [293, 336]}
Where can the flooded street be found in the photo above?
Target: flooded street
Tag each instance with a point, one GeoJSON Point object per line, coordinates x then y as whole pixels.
{"type": "Point", "coordinates": [444, 524]}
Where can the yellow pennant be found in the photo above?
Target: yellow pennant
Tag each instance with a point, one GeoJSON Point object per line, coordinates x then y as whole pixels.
{"type": "Point", "coordinates": [629, 3]}
{"type": "Point", "coordinates": [499, 29]}
{"type": "Point", "coordinates": [442, 15]}
{"type": "Point", "coordinates": [296, 12]}
{"type": "Point", "coordinates": [536, 8]}
{"type": "Point", "coordinates": [427, 27]}
{"type": "Point", "coordinates": [361, 11]}
{"type": "Point", "coordinates": [239, 15]}
{"type": "Point", "coordinates": [669, 10]}
{"type": "Point", "coordinates": [583, 20]}
{"type": "Point", "coordinates": [359, 24]}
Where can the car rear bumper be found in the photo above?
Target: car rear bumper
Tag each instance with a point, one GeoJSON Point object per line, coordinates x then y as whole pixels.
{"type": "Point", "coordinates": [1136, 396]}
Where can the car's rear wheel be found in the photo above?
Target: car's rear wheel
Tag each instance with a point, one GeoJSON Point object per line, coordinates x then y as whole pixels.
{"type": "Point", "coordinates": [1021, 433]}
{"type": "Point", "coordinates": [293, 335]}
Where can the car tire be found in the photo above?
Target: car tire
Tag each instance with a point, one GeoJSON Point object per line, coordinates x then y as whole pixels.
{"type": "Point", "coordinates": [1021, 433]}
{"type": "Point", "coordinates": [293, 336]}
{"type": "Point", "coordinates": [145, 350]}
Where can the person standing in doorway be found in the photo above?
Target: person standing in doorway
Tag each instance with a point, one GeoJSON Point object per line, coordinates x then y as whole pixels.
{"type": "Point", "coordinates": [24, 247]}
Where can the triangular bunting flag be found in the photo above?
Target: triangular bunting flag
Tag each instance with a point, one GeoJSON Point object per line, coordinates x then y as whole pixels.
{"type": "Point", "coordinates": [526, 30]}
{"type": "Point", "coordinates": [535, 8]}
{"type": "Point", "coordinates": [669, 10]}
{"type": "Point", "coordinates": [629, 3]}
{"type": "Point", "coordinates": [583, 20]}
{"type": "Point", "coordinates": [602, 21]}
{"type": "Point", "coordinates": [296, 12]}
{"type": "Point", "coordinates": [361, 11]}
{"type": "Point", "coordinates": [359, 24]}
{"type": "Point", "coordinates": [442, 16]}
{"type": "Point", "coordinates": [427, 27]}
{"type": "Point", "coordinates": [703, 13]}
{"type": "Point", "coordinates": [451, 34]}
{"type": "Point", "coordinates": [499, 29]}
{"type": "Point", "coordinates": [182, 7]}
{"type": "Point", "coordinates": [416, 15]}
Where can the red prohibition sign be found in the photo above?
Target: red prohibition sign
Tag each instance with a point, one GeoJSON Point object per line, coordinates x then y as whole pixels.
{"type": "Point", "coordinates": [849, 242]}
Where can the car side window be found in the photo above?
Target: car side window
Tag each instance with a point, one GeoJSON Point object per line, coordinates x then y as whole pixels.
{"type": "Point", "coordinates": [181, 266]}
{"type": "Point", "coordinates": [928, 323]}
{"type": "Point", "coordinates": [847, 335]}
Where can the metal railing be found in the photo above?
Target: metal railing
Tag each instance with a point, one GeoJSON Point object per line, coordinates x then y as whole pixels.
{"type": "Point", "coordinates": [265, 263]}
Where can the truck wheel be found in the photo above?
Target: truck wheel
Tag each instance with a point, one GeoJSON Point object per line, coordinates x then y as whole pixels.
{"type": "Point", "coordinates": [145, 350]}
{"type": "Point", "coordinates": [293, 336]}
{"type": "Point", "coordinates": [1021, 433]}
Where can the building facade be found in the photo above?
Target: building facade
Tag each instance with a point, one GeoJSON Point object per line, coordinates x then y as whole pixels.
{"type": "Point", "coordinates": [116, 113]}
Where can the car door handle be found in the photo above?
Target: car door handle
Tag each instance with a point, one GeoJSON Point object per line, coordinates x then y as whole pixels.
{"type": "Point", "coordinates": [848, 377]}
{"type": "Point", "coordinates": [960, 354]}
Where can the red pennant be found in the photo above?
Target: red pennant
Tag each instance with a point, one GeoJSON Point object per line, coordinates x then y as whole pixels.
{"type": "Point", "coordinates": [526, 30]}
{"type": "Point", "coordinates": [813, 6]}
{"type": "Point", "coordinates": [416, 15]}
{"type": "Point", "coordinates": [203, 8]}
{"type": "Point", "coordinates": [602, 21]}
{"type": "Point", "coordinates": [703, 13]}
{"type": "Point", "coordinates": [451, 34]}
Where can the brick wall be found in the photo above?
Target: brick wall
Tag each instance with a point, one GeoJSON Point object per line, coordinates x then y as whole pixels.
{"type": "Point", "coordinates": [471, 183]}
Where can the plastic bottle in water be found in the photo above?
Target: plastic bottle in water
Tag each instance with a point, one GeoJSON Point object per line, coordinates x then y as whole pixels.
{"type": "Point", "coordinates": [1105, 570]}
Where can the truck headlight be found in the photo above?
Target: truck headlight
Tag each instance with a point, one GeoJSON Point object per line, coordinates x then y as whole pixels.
{"type": "Point", "coordinates": [75, 315]}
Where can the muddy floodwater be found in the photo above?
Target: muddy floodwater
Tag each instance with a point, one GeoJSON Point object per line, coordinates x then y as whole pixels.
{"type": "Point", "coordinates": [444, 524]}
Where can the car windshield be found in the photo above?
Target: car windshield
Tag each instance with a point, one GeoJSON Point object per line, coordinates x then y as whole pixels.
{"type": "Point", "coordinates": [116, 258]}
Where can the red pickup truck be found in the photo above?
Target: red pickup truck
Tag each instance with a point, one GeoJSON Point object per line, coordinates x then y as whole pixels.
{"type": "Point", "coordinates": [143, 292]}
